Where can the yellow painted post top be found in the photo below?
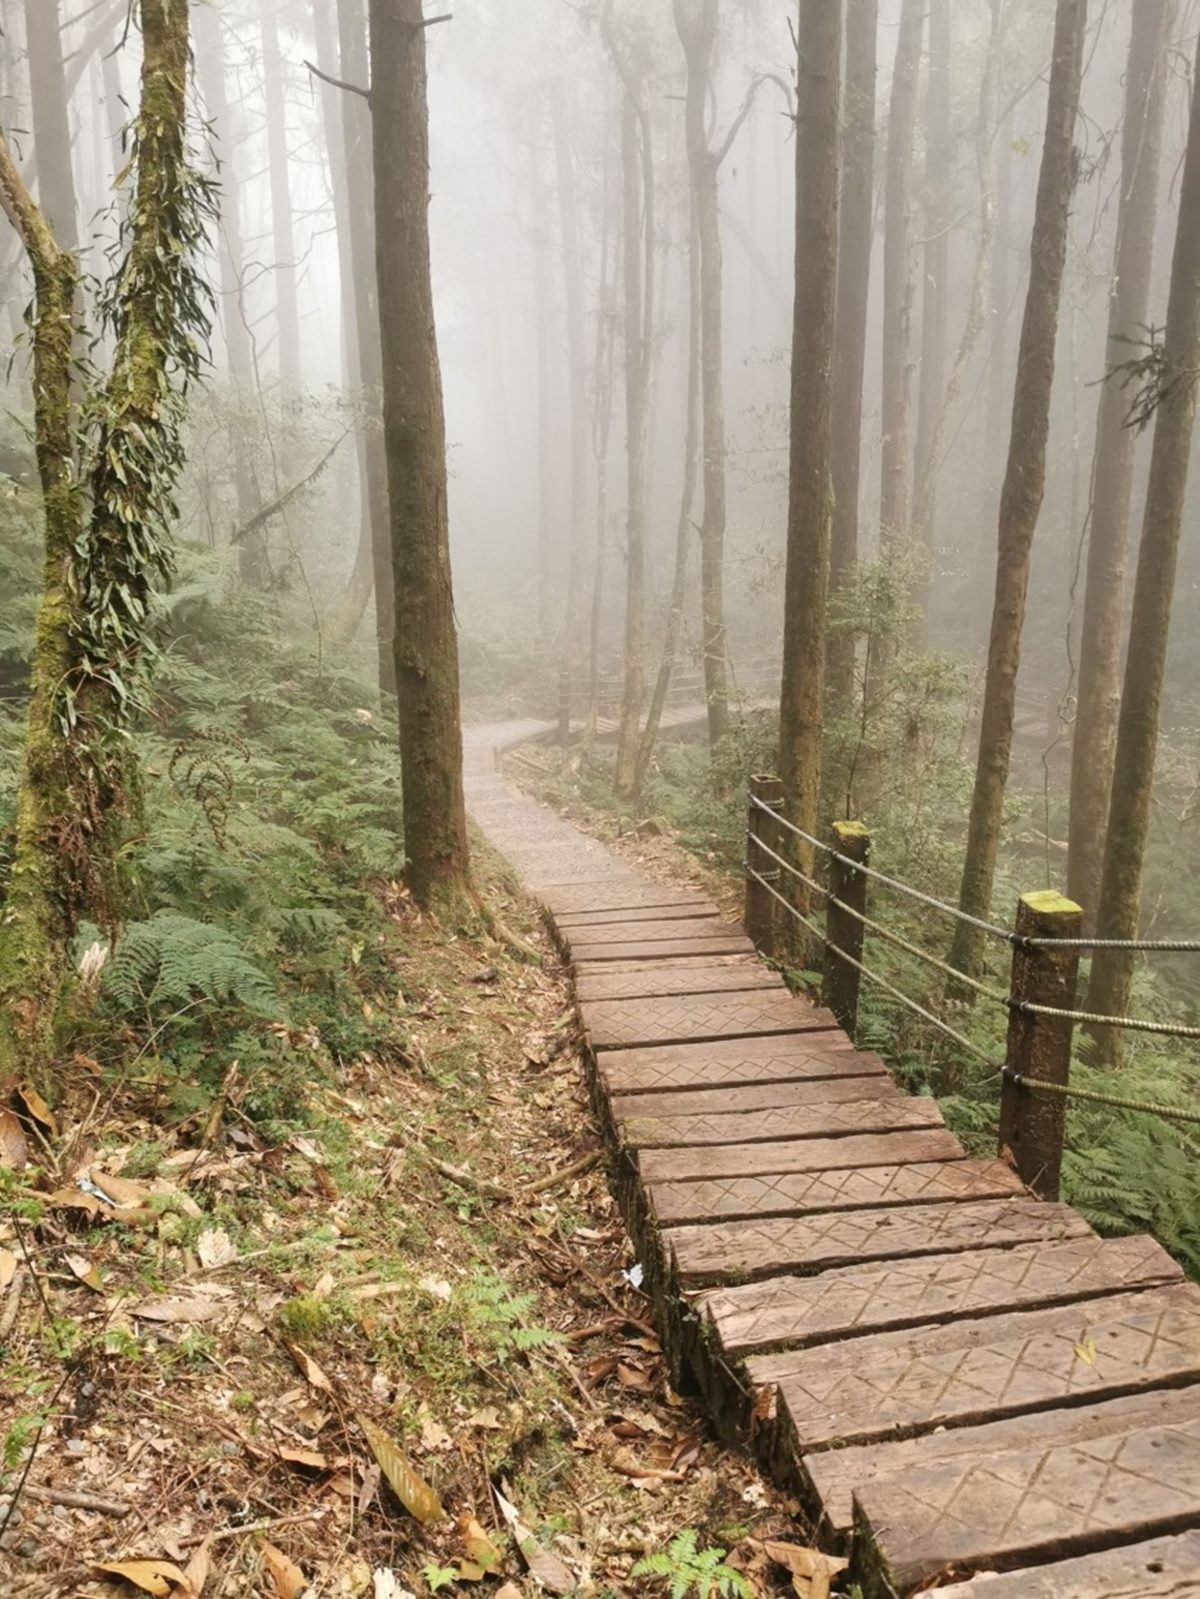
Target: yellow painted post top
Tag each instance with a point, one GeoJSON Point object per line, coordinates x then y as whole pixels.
{"type": "Point", "coordinates": [1049, 902]}
{"type": "Point", "coordinates": [851, 829]}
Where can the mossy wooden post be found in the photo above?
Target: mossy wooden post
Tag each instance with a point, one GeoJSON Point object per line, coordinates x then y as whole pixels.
{"type": "Point", "coordinates": [1032, 1122]}
{"type": "Point", "coordinates": [843, 929]}
{"type": "Point", "coordinates": [762, 828]}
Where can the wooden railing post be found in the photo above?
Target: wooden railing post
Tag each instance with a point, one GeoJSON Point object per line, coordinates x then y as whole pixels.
{"type": "Point", "coordinates": [763, 827]}
{"type": "Point", "coordinates": [1032, 1123]}
{"type": "Point", "coordinates": [843, 930]}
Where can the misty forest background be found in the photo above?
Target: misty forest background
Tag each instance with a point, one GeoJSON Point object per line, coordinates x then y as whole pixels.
{"type": "Point", "coordinates": [619, 284]}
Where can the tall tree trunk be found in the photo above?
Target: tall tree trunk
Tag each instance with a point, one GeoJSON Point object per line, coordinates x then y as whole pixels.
{"type": "Point", "coordinates": [935, 295]}
{"type": "Point", "coordinates": [51, 121]}
{"type": "Point", "coordinates": [568, 211]}
{"type": "Point", "coordinates": [810, 484]}
{"type": "Point", "coordinates": [360, 192]}
{"type": "Point", "coordinates": [605, 351]}
{"type": "Point", "coordinates": [435, 830]}
{"type": "Point", "coordinates": [637, 185]}
{"type": "Point", "coordinates": [1025, 474]}
{"type": "Point", "coordinates": [283, 239]}
{"type": "Point", "coordinates": [856, 228]}
{"type": "Point", "coordinates": [1112, 465]}
{"type": "Point", "coordinates": [540, 244]}
{"type": "Point", "coordinates": [696, 23]}
{"type": "Point", "coordinates": [1150, 620]}
{"type": "Point", "coordinates": [897, 278]}
{"type": "Point", "coordinates": [210, 70]}
{"type": "Point", "coordinates": [684, 526]}
{"type": "Point", "coordinates": [106, 552]}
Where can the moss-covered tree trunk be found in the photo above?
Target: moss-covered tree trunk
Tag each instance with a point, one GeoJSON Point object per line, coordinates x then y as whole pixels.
{"type": "Point", "coordinates": [435, 829]}
{"type": "Point", "coordinates": [810, 499]}
{"type": "Point", "coordinates": [106, 553]}
{"type": "Point", "coordinates": [856, 230]}
{"type": "Point", "coordinates": [1025, 474]}
{"type": "Point", "coordinates": [1112, 464]}
{"type": "Point", "coordinates": [1150, 620]}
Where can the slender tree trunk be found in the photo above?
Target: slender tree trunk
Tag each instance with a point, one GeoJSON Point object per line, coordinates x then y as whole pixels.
{"type": "Point", "coordinates": [605, 348]}
{"type": "Point", "coordinates": [1150, 621]}
{"type": "Point", "coordinates": [568, 211]}
{"type": "Point", "coordinates": [1025, 475]}
{"type": "Point", "coordinates": [1112, 466]}
{"type": "Point", "coordinates": [284, 244]}
{"type": "Point", "coordinates": [810, 498]}
{"type": "Point", "coordinates": [638, 214]}
{"type": "Point", "coordinates": [897, 277]}
{"type": "Point", "coordinates": [696, 22]}
{"type": "Point", "coordinates": [540, 244]}
{"type": "Point", "coordinates": [210, 69]}
{"type": "Point", "coordinates": [935, 296]}
{"type": "Point", "coordinates": [856, 228]}
{"type": "Point", "coordinates": [360, 192]}
{"type": "Point", "coordinates": [435, 832]}
{"type": "Point", "coordinates": [684, 526]}
{"type": "Point", "coordinates": [51, 120]}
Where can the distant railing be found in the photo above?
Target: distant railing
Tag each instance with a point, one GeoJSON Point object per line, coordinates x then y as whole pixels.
{"type": "Point", "coordinates": [1046, 944]}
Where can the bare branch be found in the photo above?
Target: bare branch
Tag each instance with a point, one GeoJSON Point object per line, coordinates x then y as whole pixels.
{"type": "Point", "coordinates": [260, 518]}
{"type": "Point", "coordinates": [339, 83]}
{"type": "Point", "coordinates": [22, 211]}
{"type": "Point", "coordinates": [748, 106]}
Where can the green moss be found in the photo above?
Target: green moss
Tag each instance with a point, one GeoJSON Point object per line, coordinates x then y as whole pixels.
{"type": "Point", "coordinates": [1048, 902]}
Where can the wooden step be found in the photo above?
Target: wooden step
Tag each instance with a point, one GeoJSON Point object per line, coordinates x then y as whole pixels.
{"type": "Point", "coordinates": [821, 1120]}
{"type": "Point", "coordinates": [799, 1311]}
{"type": "Point", "coordinates": [778, 1059]}
{"type": "Point", "coordinates": [740, 1251]}
{"type": "Point", "coordinates": [624, 890]}
{"type": "Point", "coordinates": [669, 979]}
{"type": "Point", "coordinates": [582, 934]}
{"type": "Point", "coordinates": [1074, 1488]}
{"type": "Point", "coordinates": [639, 915]}
{"type": "Point", "coordinates": [1161, 1568]}
{"type": "Point", "coordinates": [985, 1367]}
{"type": "Point", "coordinates": [634, 1023]}
{"type": "Point", "coordinates": [846, 1188]}
{"type": "Point", "coordinates": [753, 1096]}
{"type": "Point", "coordinates": [630, 948]}
{"type": "Point", "coordinates": [799, 1154]}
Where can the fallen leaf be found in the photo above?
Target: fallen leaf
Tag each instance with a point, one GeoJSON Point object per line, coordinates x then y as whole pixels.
{"type": "Point", "coordinates": [123, 1191]}
{"type": "Point", "coordinates": [214, 1247]}
{"type": "Point", "coordinates": [481, 1551]}
{"type": "Point", "coordinates": [8, 1268]}
{"type": "Point", "coordinates": [323, 1286]}
{"type": "Point", "coordinates": [508, 1590]}
{"type": "Point", "coordinates": [196, 1572]}
{"type": "Point", "coordinates": [86, 1271]}
{"type": "Point", "coordinates": [14, 1147]}
{"type": "Point", "coordinates": [309, 1369]}
{"type": "Point", "coordinates": [184, 1308]}
{"type": "Point", "coordinates": [488, 1418]}
{"type": "Point", "coordinates": [546, 1569]}
{"type": "Point", "coordinates": [413, 1492]}
{"type": "Point", "coordinates": [305, 1457]}
{"type": "Point", "coordinates": [387, 1585]}
{"type": "Point", "coordinates": [435, 1286]}
{"type": "Point", "coordinates": [632, 1377]}
{"type": "Point", "coordinates": [289, 1580]}
{"type": "Point", "coordinates": [433, 1434]}
{"type": "Point", "coordinates": [803, 1562]}
{"type": "Point", "coordinates": [38, 1108]}
{"type": "Point", "coordinates": [1086, 1352]}
{"type": "Point", "coordinates": [157, 1577]}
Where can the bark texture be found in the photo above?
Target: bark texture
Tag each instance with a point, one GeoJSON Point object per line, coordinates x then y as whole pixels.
{"type": "Point", "coordinates": [51, 121]}
{"type": "Point", "coordinates": [1113, 461]}
{"type": "Point", "coordinates": [283, 239]}
{"type": "Point", "coordinates": [1150, 620]}
{"type": "Point", "coordinates": [810, 499]}
{"type": "Point", "coordinates": [855, 233]}
{"type": "Point", "coordinates": [1025, 474]}
{"type": "Point", "coordinates": [426, 645]}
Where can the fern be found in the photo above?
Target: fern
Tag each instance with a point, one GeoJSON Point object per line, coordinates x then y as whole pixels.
{"type": "Point", "coordinates": [691, 1570]}
{"type": "Point", "coordinates": [172, 961]}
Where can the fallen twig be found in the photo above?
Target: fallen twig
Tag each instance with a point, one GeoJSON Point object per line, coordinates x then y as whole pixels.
{"type": "Point", "coordinates": [9, 1318]}
{"type": "Point", "coordinates": [77, 1499]}
{"type": "Point", "coordinates": [575, 1169]}
{"type": "Point", "coordinates": [466, 1179]}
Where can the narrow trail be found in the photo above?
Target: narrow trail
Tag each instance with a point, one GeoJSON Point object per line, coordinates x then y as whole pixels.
{"type": "Point", "coordinates": [953, 1376]}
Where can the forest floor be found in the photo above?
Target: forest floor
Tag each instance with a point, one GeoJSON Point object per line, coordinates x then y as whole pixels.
{"type": "Point", "coordinates": [211, 1342]}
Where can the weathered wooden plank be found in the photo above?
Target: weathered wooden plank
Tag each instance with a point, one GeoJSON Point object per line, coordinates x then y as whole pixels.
{"type": "Point", "coordinates": [666, 979]}
{"type": "Point", "coordinates": [799, 1311]}
{"type": "Point", "coordinates": [636, 915]}
{"type": "Point", "coordinates": [1160, 1568]}
{"type": "Point", "coordinates": [632, 1023]}
{"type": "Point", "coordinates": [625, 888]}
{"type": "Point", "coordinates": [985, 1367]}
{"type": "Point", "coordinates": [754, 1096]}
{"type": "Point", "coordinates": [733, 1251]}
{"type": "Point", "coordinates": [1060, 1496]}
{"type": "Point", "coordinates": [663, 949]}
{"type": "Point", "coordinates": [586, 934]}
{"type": "Point", "coordinates": [798, 1154]}
{"type": "Point", "coordinates": [822, 1120]}
{"type": "Point", "coordinates": [834, 1476]}
{"type": "Point", "coordinates": [848, 1188]}
{"type": "Point", "coordinates": [769, 1059]}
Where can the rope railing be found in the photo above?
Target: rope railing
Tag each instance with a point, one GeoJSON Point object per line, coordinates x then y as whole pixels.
{"type": "Point", "coordinates": [1046, 944]}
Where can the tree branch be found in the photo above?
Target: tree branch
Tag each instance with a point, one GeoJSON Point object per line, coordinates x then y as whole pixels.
{"type": "Point", "coordinates": [260, 518]}
{"type": "Point", "coordinates": [748, 106]}
{"type": "Point", "coordinates": [339, 83]}
{"type": "Point", "coordinates": [22, 211]}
